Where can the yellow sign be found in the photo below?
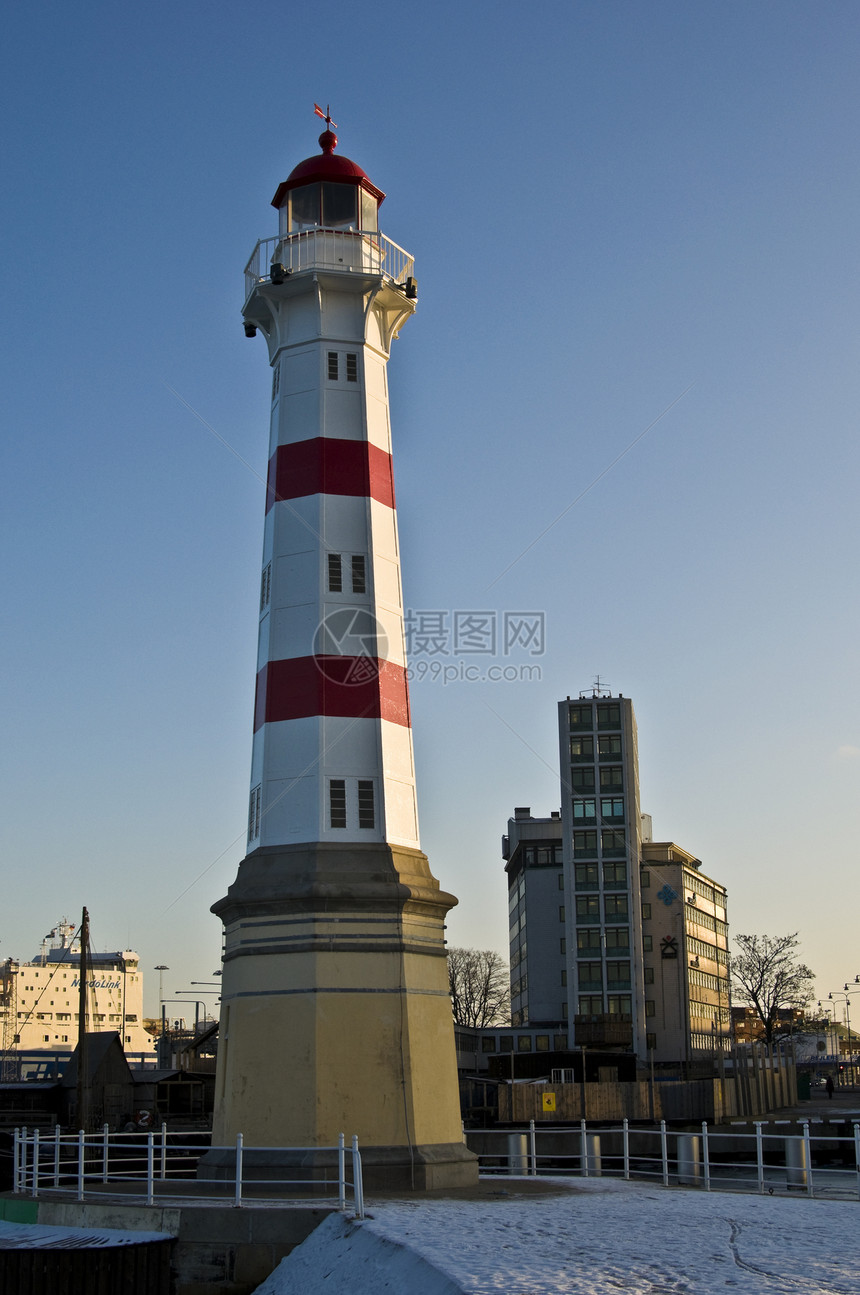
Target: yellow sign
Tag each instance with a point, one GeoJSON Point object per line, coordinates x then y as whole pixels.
{"type": "Point", "coordinates": [548, 1100]}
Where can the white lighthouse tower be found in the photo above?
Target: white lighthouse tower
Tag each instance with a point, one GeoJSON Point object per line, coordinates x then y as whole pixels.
{"type": "Point", "coordinates": [336, 1016]}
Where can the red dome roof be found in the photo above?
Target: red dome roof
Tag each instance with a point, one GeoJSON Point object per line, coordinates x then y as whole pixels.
{"type": "Point", "coordinates": [326, 166]}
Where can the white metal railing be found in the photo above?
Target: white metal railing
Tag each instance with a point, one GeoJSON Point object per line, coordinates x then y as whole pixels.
{"type": "Point", "coordinates": [154, 1166]}
{"type": "Point", "coordinates": [768, 1160]}
{"type": "Point", "coordinates": [329, 249]}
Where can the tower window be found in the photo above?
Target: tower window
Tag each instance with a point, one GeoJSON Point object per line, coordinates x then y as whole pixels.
{"type": "Point", "coordinates": [337, 802]}
{"type": "Point", "coordinates": [332, 366]}
{"type": "Point", "coordinates": [351, 368]}
{"type": "Point", "coordinates": [254, 812]}
{"type": "Point", "coordinates": [276, 379]}
{"type": "Point", "coordinates": [335, 574]}
{"type": "Point", "coordinates": [366, 807]}
{"type": "Point", "coordinates": [359, 575]}
{"type": "Point", "coordinates": [266, 587]}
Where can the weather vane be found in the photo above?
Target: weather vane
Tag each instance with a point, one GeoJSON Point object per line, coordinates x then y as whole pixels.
{"type": "Point", "coordinates": [326, 116]}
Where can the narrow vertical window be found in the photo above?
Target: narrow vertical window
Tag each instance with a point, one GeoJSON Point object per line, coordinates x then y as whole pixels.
{"type": "Point", "coordinates": [337, 802]}
{"type": "Point", "coordinates": [332, 366]}
{"type": "Point", "coordinates": [351, 368]}
{"type": "Point", "coordinates": [366, 809]}
{"type": "Point", "coordinates": [335, 575]}
{"type": "Point", "coordinates": [266, 587]}
{"type": "Point", "coordinates": [254, 812]}
{"type": "Point", "coordinates": [276, 379]}
{"type": "Point", "coordinates": [359, 577]}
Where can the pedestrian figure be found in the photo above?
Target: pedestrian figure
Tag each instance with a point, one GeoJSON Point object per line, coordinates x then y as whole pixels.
{"type": "Point", "coordinates": [828, 1084]}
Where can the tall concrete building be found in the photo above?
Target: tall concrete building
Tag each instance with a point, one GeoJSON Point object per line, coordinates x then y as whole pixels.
{"type": "Point", "coordinates": [586, 931]}
{"type": "Point", "coordinates": [336, 1016]}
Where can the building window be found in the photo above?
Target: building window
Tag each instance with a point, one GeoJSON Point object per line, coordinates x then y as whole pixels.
{"type": "Point", "coordinates": [337, 802]}
{"type": "Point", "coordinates": [613, 842]}
{"type": "Point", "coordinates": [488, 1043]}
{"type": "Point", "coordinates": [588, 909]}
{"type": "Point", "coordinates": [614, 874]}
{"type": "Point", "coordinates": [611, 778]}
{"type": "Point", "coordinates": [351, 368]}
{"type": "Point", "coordinates": [589, 975]}
{"type": "Point", "coordinates": [617, 940]}
{"type": "Point", "coordinates": [564, 978]}
{"type": "Point", "coordinates": [541, 1043]}
{"type": "Point", "coordinates": [620, 1004]}
{"type": "Point", "coordinates": [524, 1043]}
{"type": "Point", "coordinates": [266, 587]}
{"type": "Point", "coordinates": [254, 812]}
{"type": "Point", "coordinates": [616, 908]}
{"type": "Point", "coordinates": [561, 881]}
{"type": "Point", "coordinates": [584, 844]}
{"type": "Point", "coordinates": [506, 1043]}
{"type": "Point", "coordinates": [332, 366]}
{"type": "Point", "coordinates": [559, 1042]}
{"type": "Point", "coordinates": [335, 574]}
{"type": "Point", "coordinates": [609, 747]}
{"type": "Point", "coordinates": [618, 975]}
{"type": "Point", "coordinates": [276, 379]}
{"type": "Point", "coordinates": [359, 575]}
{"type": "Point", "coordinates": [586, 876]}
{"type": "Point", "coordinates": [590, 1005]}
{"type": "Point", "coordinates": [582, 779]}
{"type": "Point", "coordinates": [612, 807]}
{"type": "Point", "coordinates": [650, 1042]}
{"type": "Point", "coordinates": [584, 811]}
{"type": "Point", "coordinates": [609, 716]}
{"type": "Point", "coordinates": [561, 916]}
{"type": "Point", "coordinates": [562, 946]}
{"type": "Point", "coordinates": [582, 748]}
{"type": "Point", "coordinates": [649, 975]}
{"type": "Point", "coordinates": [647, 943]}
{"type": "Point", "coordinates": [580, 717]}
{"type": "Point", "coordinates": [644, 878]}
{"type": "Point", "coordinates": [646, 912]}
{"type": "Point", "coordinates": [586, 940]}
{"type": "Point", "coordinates": [650, 1007]}
{"type": "Point", "coordinates": [366, 807]}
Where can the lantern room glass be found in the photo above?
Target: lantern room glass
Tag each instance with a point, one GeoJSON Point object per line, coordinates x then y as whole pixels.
{"type": "Point", "coordinates": [329, 205]}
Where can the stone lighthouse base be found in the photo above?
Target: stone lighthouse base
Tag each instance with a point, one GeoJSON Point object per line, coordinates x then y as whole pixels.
{"type": "Point", "coordinates": [384, 1169]}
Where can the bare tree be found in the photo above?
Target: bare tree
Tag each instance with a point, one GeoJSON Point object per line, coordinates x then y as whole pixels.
{"type": "Point", "coordinates": [480, 987]}
{"type": "Point", "coordinates": [767, 975]}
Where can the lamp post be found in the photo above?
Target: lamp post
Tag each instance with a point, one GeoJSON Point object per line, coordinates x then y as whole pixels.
{"type": "Point", "coordinates": [845, 994]}
{"type": "Point", "coordinates": [830, 1033]}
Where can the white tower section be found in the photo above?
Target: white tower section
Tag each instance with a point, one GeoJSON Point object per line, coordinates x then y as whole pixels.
{"type": "Point", "coordinates": [335, 984]}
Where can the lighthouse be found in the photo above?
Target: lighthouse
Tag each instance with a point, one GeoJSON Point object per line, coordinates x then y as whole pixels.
{"type": "Point", "coordinates": [335, 1009]}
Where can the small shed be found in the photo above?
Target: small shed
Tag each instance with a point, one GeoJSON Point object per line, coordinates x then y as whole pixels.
{"type": "Point", "coordinates": [110, 1083]}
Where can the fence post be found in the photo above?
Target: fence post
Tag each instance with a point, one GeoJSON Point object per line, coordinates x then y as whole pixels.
{"type": "Point", "coordinates": [150, 1168]}
{"type": "Point", "coordinates": [163, 1174]}
{"type": "Point", "coordinates": [664, 1148]}
{"type": "Point", "coordinates": [341, 1172]}
{"type": "Point", "coordinates": [759, 1156]}
{"type": "Point", "coordinates": [532, 1149]}
{"type": "Point", "coordinates": [705, 1159]}
{"type": "Point", "coordinates": [35, 1180]}
{"type": "Point", "coordinates": [857, 1154]}
{"type": "Point", "coordinates": [240, 1146]}
{"type": "Point", "coordinates": [57, 1140]}
{"type": "Point", "coordinates": [810, 1191]}
{"type": "Point", "coordinates": [626, 1136]}
{"type": "Point", "coordinates": [583, 1150]}
{"type": "Point", "coordinates": [357, 1179]}
{"type": "Point", "coordinates": [105, 1152]}
{"type": "Point", "coordinates": [81, 1163]}
{"type": "Point", "coordinates": [16, 1159]}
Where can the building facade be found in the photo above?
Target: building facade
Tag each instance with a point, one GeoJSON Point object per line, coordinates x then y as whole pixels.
{"type": "Point", "coordinates": [39, 999]}
{"type": "Point", "coordinates": [586, 935]}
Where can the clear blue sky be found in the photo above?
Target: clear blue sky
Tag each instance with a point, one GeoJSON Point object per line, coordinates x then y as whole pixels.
{"type": "Point", "coordinates": [607, 203]}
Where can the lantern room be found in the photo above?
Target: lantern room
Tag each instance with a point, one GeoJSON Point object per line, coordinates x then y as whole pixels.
{"type": "Point", "coordinates": [327, 192]}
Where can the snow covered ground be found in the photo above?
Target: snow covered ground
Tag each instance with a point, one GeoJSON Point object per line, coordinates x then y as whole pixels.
{"type": "Point", "coordinates": [588, 1237]}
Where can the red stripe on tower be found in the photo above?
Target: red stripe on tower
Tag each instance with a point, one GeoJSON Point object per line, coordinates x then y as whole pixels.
{"type": "Point", "coordinates": [345, 687]}
{"type": "Point", "coordinates": [328, 465]}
